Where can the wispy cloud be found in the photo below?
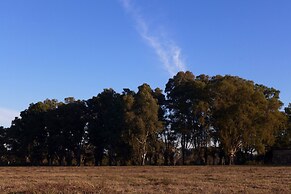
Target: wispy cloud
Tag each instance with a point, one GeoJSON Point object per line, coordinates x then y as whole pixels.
{"type": "Point", "coordinates": [165, 48]}
{"type": "Point", "coordinates": [6, 116]}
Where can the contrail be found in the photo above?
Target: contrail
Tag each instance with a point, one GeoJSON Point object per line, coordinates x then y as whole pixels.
{"type": "Point", "coordinates": [167, 51]}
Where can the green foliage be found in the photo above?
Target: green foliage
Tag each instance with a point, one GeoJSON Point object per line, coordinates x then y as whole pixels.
{"type": "Point", "coordinates": [105, 124]}
{"type": "Point", "coordinates": [197, 118]}
{"type": "Point", "coordinates": [142, 122]}
{"type": "Point", "coordinates": [189, 110]}
{"type": "Point", "coordinates": [245, 115]}
{"type": "Point", "coordinates": [283, 139]}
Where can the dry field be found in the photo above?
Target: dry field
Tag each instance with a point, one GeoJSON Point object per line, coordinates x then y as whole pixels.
{"type": "Point", "coordinates": [189, 179]}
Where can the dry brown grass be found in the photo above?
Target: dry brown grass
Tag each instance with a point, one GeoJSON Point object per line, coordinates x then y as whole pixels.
{"type": "Point", "coordinates": [188, 179]}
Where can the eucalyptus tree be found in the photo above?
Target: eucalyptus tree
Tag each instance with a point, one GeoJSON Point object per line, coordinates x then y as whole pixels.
{"type": "Point", "coordinates": [142, 122]}
{"type": "Point", "coordinates": [3, 142]}
{"type": "Point", "coordinates": [188, 110]}
{"type": "Point", "coordinates": [284, 135]}
{"type": "Point", "coordinates": [105, 125]}
{"type": "Point", "coordinates": [179, 105]}
{"type": "Point", "coordinates": [202, 131]}
{"type": "Point", "coordinates": [27, 135]}
{"type": "Point", "coordinates": [162, 146]}
{"type": "Point", "coordinates": [72, 122]}
{"type": "Point", "coordinates": [245, 115]}
{"type": "Point", "coordinates": [157, 149]}
{"type": "Point", "coordinates": [272, 119]}
{"type": "Point", "coordinates": [127, 134]}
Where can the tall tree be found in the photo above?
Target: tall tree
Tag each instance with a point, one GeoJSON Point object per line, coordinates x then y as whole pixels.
{"type": "Point", "coordinates": [72, 126]}
{"type": "Point", "coordinates": [3, 149]}
{"type": "Point", "coordinates": [161, 146]}
{"type": "Point", "coordinates": [284, 135]}
{"type": "Point", "coordinates": [245, 115]}
{"type": "Point", "coordinates": [105, 125]}
{"type": "Point", "coordinates": [27, 135]}
{"type": "Point", "coordinates": [177, 90]}
{"type": "Point", "coordinates": [142, 122]}
{"type": "Point", "coordinates": [189, 110]}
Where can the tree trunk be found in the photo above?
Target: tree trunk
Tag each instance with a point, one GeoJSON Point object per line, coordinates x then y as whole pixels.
{"type": "Point", "coordinates": [183, 149]}
{"type": "Point", "coordinates": [98, 156]}
{"type": "Point", "coordinates": [166, 157]}
{"type": "Point", "coordinates": [231, 157]}
{"type": "Point", "coordinates": [61, 161]}
{"type": "Point", "coordinates": [144, 153]}
{"type": "Point", "coordinates": [69, 159]}
{"type": "Point", "coordinates": [206, 155]}
{"type": "Point", "coordinates": [78, 155]}
{"type": "Point", "coordinates": [49, 160]}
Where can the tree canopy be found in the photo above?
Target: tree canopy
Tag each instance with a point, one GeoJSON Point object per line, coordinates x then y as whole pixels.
{"type": "Point", "coordinates": [198, 120]}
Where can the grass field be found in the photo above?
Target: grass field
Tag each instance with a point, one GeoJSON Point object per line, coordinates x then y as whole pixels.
{"type": "Point", "coordinates": [187, 179]}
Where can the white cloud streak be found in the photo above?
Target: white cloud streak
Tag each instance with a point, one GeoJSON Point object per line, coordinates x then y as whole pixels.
{"type": "Point", "coordinates": [6, 116]}
{"type": "Point", "coordinates": [167, 51]}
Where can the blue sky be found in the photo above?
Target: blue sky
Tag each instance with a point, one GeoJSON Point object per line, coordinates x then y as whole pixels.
{"type": "Point", "coordinates": [56, 49]}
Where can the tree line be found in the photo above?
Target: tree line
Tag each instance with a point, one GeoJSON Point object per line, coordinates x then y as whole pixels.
{"type": "Point", "coordinates": [196, 120]}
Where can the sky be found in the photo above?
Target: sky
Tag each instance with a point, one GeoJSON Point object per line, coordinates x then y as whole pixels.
{"type": "Point", "coordinates": [56, 49]}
